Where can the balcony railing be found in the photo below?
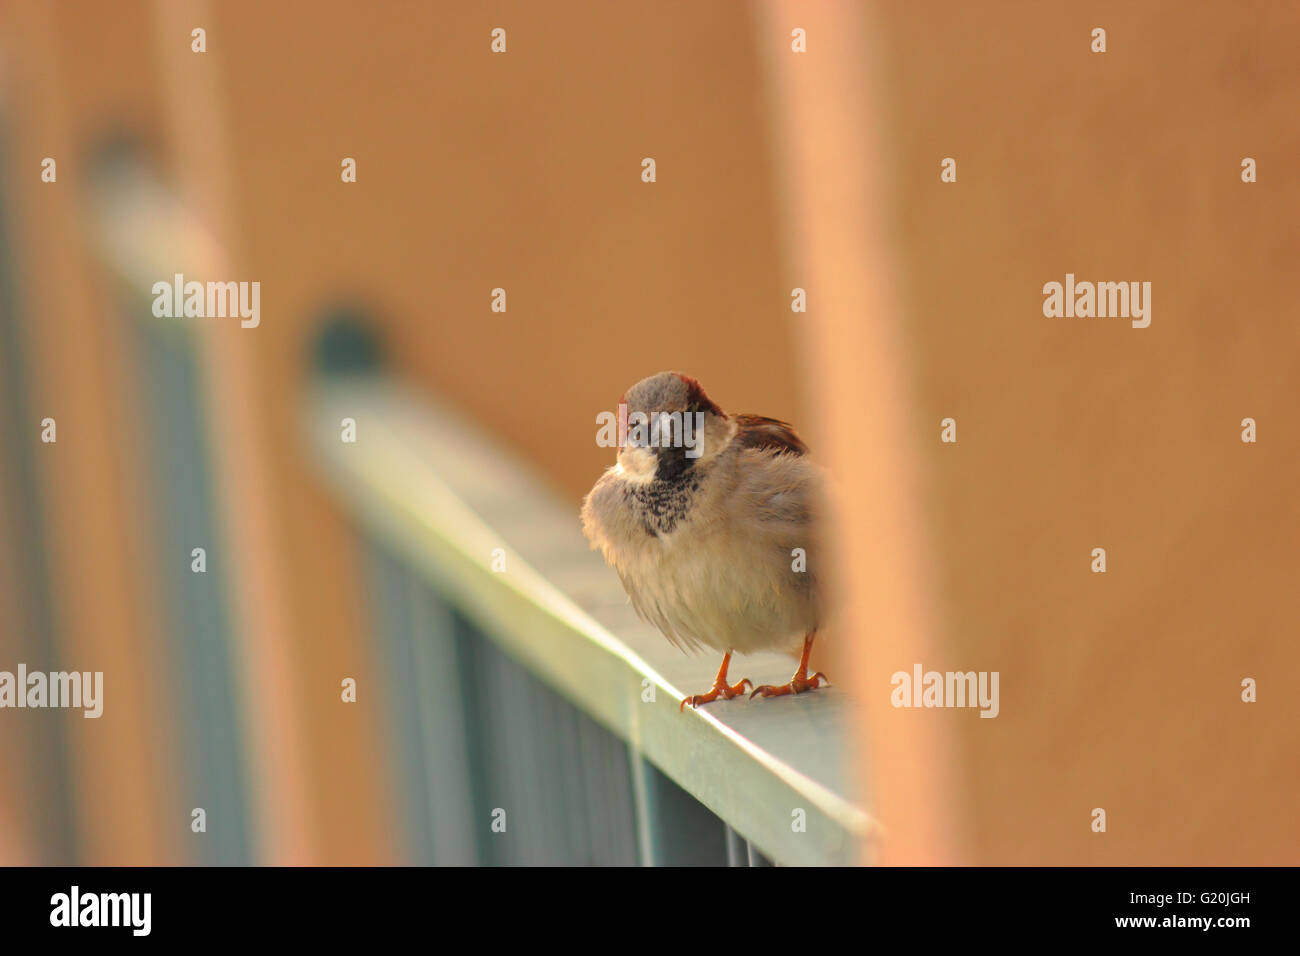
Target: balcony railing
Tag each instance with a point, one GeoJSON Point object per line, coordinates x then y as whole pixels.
{"type": "Point", "coordinates": [513, 652]}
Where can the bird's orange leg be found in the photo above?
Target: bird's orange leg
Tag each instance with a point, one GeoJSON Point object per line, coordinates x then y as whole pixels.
{"type": "Point", "coordinates": [800, 682]}
{"type": "Point", "coordinates": [720, 687]}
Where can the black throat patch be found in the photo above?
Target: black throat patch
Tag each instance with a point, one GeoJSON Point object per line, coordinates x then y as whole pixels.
{"type": "Point", "coordinates": [663, 502]}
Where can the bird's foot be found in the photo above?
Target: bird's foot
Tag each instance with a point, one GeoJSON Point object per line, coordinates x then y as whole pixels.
{"type": "Point", "coordinates": [720, 689]}
{"type": "Point", "coordinates": [798, 684]}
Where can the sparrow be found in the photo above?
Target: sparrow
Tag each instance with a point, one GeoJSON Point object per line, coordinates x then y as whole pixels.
{"type": "Point", "coordinates": [709, 519]}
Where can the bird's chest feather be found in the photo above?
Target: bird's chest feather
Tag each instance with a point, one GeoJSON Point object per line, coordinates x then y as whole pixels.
{"type": "Point", "coordinates": [660, 507]}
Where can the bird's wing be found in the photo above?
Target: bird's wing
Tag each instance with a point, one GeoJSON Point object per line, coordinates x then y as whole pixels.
{"type": "Point", "coordinates": [755, 431]}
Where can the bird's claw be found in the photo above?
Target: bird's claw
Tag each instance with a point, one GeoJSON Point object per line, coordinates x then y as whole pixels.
{"type": "Point", "coordinates": [798, 684]}
{"type": "Point", "coordinates": [723, 690]}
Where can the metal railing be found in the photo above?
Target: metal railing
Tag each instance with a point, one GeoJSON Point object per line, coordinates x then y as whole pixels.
{"type": "Point", "coordinates": [141, 233]}
{"type": "Point", "coordinates": [513, 652]}
{"type": "Point", "coordinates": [23, 534]}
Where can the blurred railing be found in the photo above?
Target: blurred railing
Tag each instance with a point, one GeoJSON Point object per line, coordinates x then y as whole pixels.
{"type": "Point", "coordinates": [23, 534]}
{"type": "Point", "coordinates": [142, 234]}
{"type": "Point", "coordinates": [511, 650]}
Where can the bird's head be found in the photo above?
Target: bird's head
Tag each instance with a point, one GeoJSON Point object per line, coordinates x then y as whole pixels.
{"type": "Point", "coordinates": [672, 427]}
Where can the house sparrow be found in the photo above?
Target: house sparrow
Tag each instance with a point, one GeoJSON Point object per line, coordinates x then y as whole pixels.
{"type": "Point", "coordinates": [702, 517]}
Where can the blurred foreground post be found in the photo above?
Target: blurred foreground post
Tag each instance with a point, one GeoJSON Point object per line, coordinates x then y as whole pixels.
{"type": "Point", "coordinates": [826, 114]}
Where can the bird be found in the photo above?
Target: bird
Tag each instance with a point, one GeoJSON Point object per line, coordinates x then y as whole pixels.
{"type": "Point", "coordinates": [710, 519]}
